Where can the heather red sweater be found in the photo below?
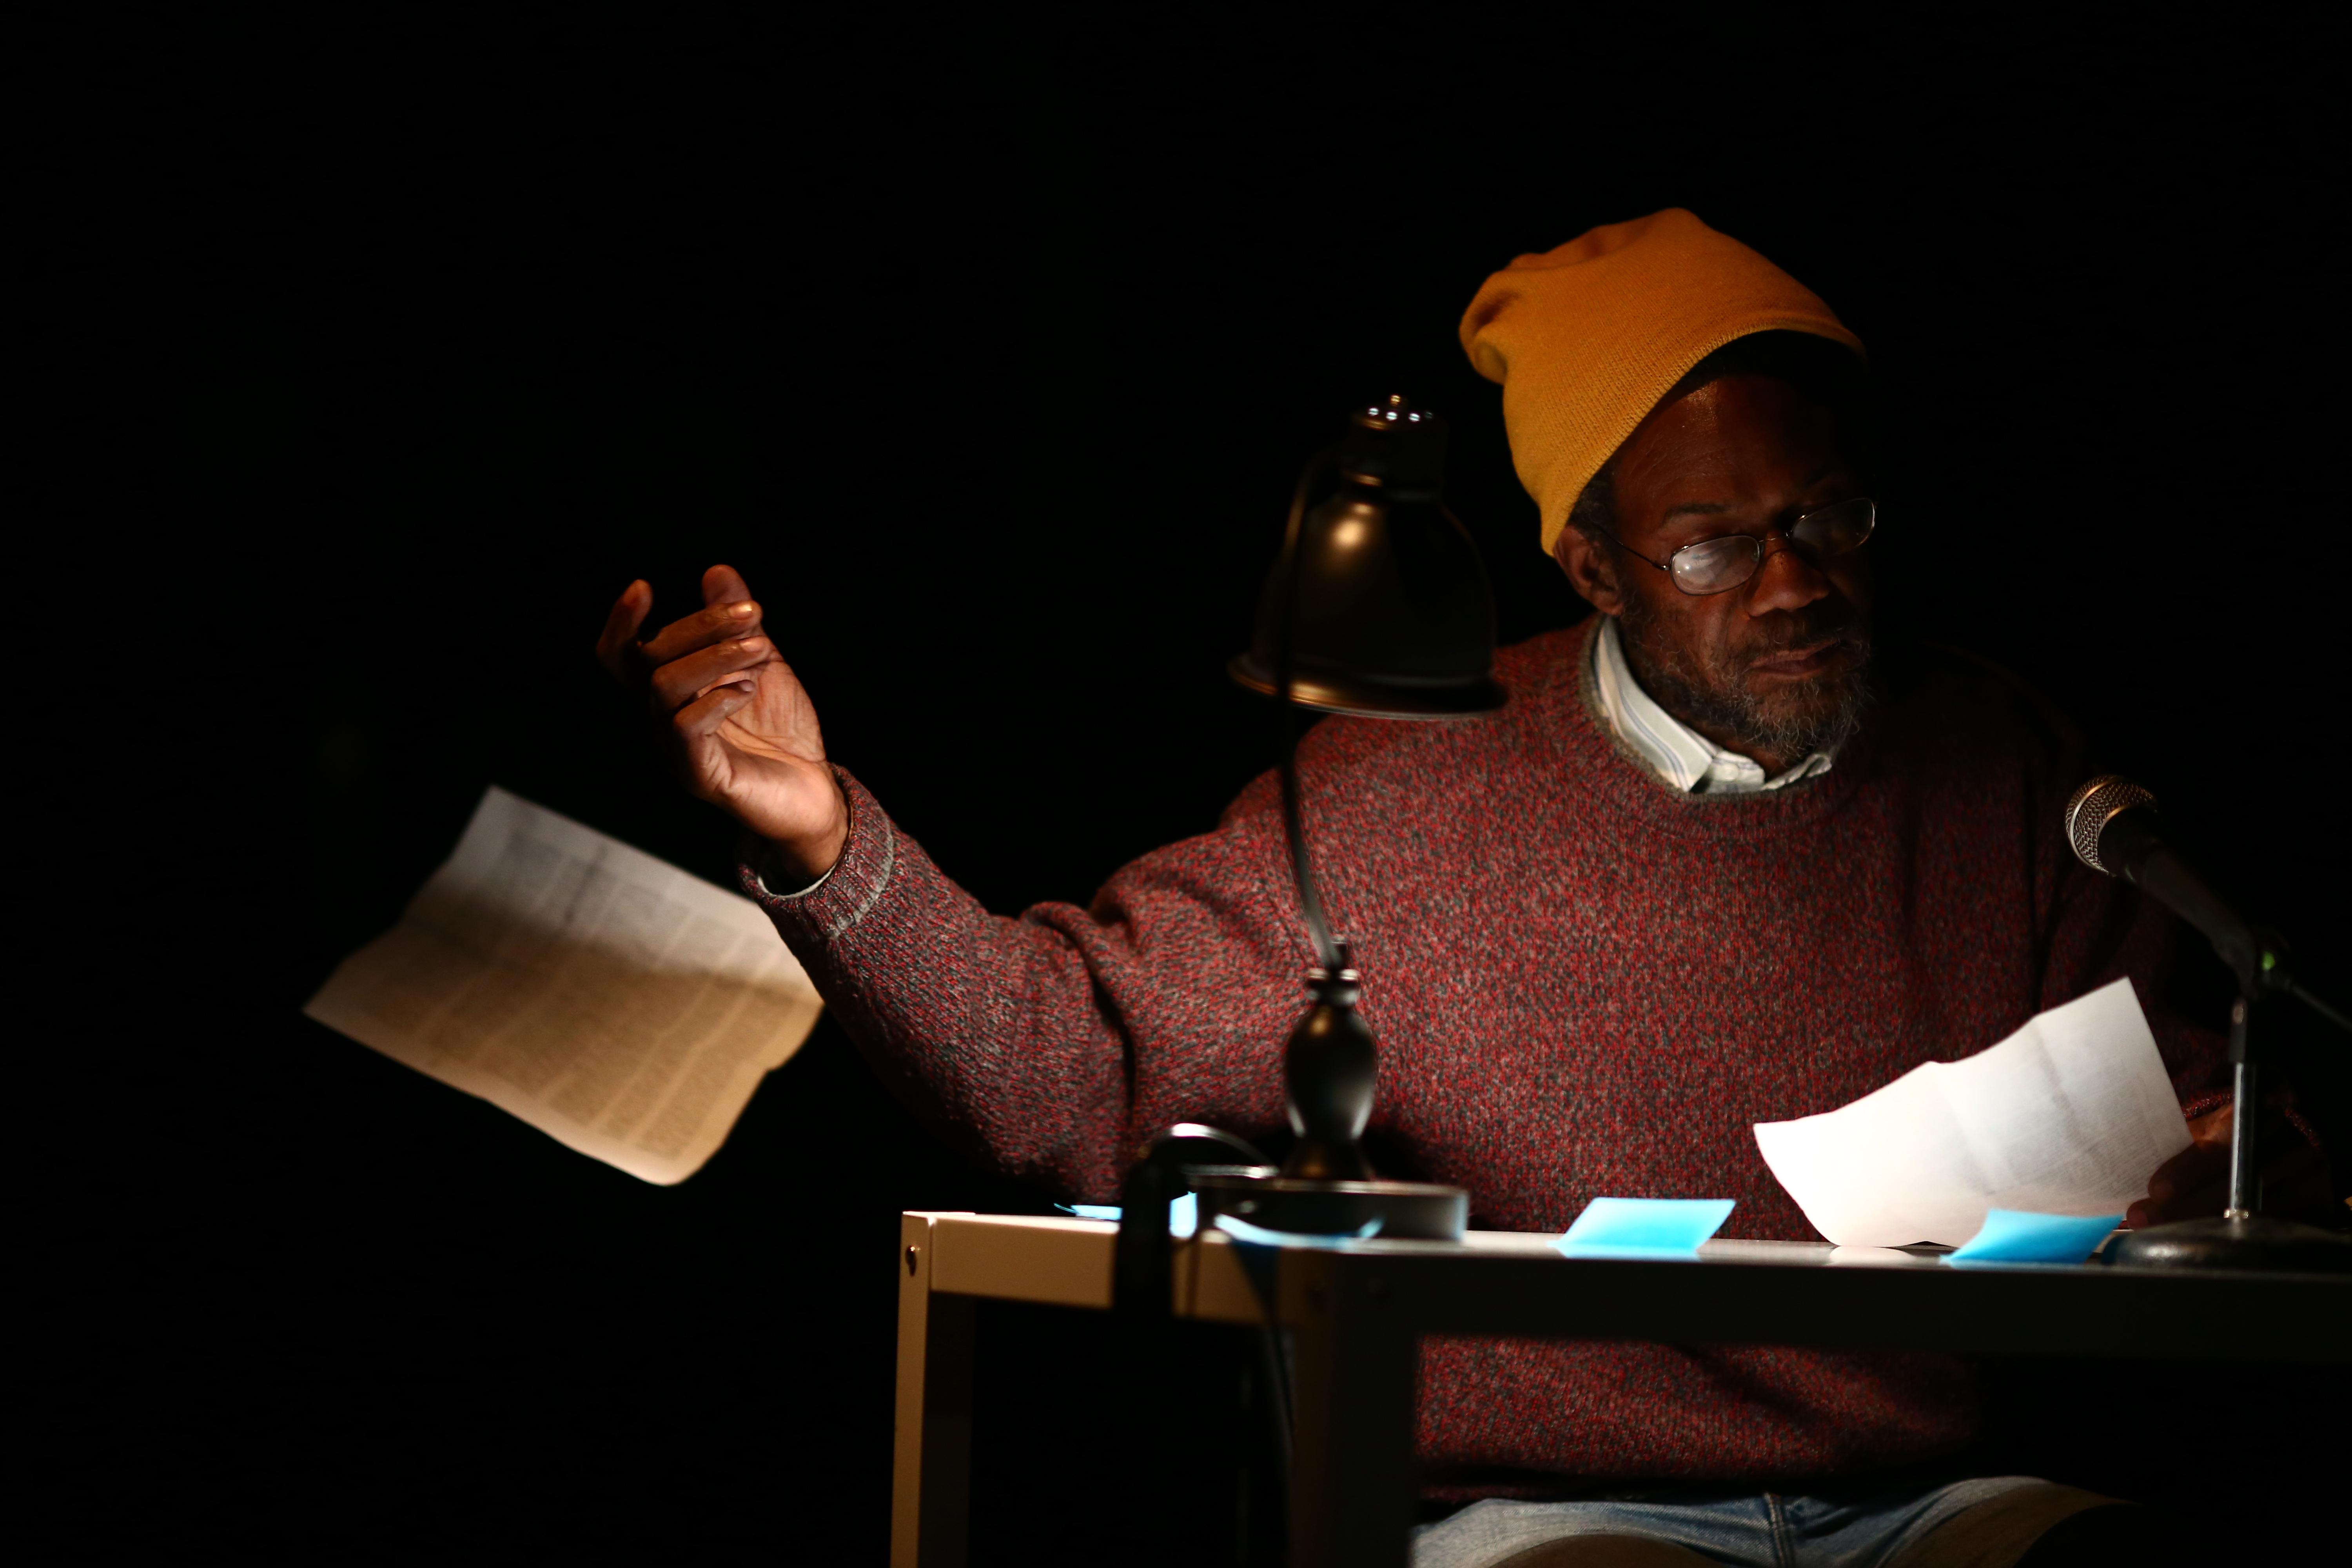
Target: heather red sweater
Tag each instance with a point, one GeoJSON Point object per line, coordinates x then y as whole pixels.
{"type": "Point", "coordinates": [1582, 983]}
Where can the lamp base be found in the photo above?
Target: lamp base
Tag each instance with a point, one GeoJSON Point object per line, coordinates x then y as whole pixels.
{"type": "Point", "coordinates": [2252, 1242]}
{"type": "Point", "coordinates": [1407, 1211]}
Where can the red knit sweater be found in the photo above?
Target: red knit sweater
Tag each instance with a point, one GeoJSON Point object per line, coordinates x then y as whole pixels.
{"type": "Point", "coordinates": [1582, 983]}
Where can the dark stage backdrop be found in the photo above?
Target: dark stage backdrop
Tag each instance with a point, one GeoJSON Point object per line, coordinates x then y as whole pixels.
{"type": "Point", "coordinates": [989, 358]}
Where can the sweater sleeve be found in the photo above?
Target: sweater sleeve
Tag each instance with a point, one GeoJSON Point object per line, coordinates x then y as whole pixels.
{"type": "Point", "coordinates": [1051, 1044]}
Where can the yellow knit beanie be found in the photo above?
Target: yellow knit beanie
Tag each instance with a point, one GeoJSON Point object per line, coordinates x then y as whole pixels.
{"type": "Point", "coordinates": [1585, 339]}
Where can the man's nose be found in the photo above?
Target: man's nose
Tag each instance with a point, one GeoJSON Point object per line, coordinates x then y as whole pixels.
{"type": "Point", "coordinates": [1785, 579]}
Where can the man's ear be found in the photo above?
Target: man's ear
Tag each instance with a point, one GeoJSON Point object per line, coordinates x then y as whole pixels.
{"type": "Point", "coordinates": [1590, 570]}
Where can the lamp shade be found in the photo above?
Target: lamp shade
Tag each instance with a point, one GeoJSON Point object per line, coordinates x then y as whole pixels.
{"type": "Point", "coordinates": [1379, 598]}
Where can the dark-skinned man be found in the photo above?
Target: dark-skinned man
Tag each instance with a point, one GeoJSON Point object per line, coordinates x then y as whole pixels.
{"type": "Point", "coordinates": [1716, 863]}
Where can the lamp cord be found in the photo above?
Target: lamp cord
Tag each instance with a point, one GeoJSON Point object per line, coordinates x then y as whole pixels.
{"type": "Point", "coordinates": [1310, 903]}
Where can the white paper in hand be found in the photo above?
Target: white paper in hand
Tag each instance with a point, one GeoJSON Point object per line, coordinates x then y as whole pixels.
{"type": "Point", "coordinates": [2070, 1115]}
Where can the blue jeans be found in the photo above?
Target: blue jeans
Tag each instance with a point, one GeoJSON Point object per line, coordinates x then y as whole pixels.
{"type": "Point", "coordinates": [1769, 1530]}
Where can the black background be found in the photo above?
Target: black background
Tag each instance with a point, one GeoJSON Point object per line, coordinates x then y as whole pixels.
{"type": "Point", "coordinates": [379, 358]}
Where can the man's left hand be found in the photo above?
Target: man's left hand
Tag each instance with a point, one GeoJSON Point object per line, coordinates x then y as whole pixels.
{"type": "Point", "coordinates": [2195, 1182]}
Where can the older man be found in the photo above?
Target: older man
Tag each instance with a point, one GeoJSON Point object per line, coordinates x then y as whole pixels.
{"type": "Point", "coordinates": [1729, 866]}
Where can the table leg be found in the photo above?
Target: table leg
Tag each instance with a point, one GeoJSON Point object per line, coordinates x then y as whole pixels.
{"type": "Point", "coordinates": [1352, 1481]}
{"type": "Point", "coordinates": [930, 1489]}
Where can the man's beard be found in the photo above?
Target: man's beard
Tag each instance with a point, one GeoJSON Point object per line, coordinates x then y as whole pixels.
{"type": "Point", "coordinates": [1708, 690]}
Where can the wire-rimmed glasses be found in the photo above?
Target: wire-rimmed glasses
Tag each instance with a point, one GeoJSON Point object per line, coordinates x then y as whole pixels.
{"type": "Point", "coordinates": [1720, 565]}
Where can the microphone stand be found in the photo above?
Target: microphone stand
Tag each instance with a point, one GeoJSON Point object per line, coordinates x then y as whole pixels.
{"type": "Point", "coordinates": [2111, 827]}
{"type": "Point", "coordinates": [2241, 1238]}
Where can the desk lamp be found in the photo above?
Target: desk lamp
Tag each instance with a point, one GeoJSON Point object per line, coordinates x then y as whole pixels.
{"type": "Point", "coordinates": [1377, 607]}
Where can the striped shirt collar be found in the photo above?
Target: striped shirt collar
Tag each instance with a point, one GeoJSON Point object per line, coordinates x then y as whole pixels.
{"type": "Point", "coordinates": [1681, 756]}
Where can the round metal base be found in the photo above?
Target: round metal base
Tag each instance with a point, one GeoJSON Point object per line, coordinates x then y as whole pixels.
{"type": "Point", "coordinates": [1407, 1211]}
{"type": "Point", "coordinates": [2255, 1242]}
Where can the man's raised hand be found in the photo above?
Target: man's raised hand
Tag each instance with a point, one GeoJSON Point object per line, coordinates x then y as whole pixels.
{"type": "Point", "coordinates": [733, 717]}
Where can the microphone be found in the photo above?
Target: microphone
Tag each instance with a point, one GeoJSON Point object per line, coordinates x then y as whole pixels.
{"type": "Point", "coordinates": [2114, 828]}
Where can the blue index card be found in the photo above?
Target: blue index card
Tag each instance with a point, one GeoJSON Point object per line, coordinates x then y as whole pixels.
{"type": "Point", "coordinates": [2014, 1235]}
{"type": "Point", "coordinates": [1250, 1235]}
{"type": "Point", "coordinates": [1183, 1213]}
{"type": "Point", "coordinates": [1644, 1227]}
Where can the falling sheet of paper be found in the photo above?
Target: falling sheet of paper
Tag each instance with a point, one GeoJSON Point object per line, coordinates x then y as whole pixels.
{"type": "Point", "coordinates": [622, 1007]}
{"type": "Point", "coordinates": [2068, 1116]}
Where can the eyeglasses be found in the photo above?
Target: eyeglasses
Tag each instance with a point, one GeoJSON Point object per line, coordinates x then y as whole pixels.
{"type": "Point", "coordinates": [1718, 565]}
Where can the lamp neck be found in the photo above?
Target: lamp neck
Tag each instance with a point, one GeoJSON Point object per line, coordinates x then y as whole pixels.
{"type": "Point", "coordinates": [1331, 953]}
{"type": "Point", "coordinates": [1327, 954]}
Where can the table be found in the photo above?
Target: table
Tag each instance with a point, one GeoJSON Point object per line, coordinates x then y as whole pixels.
{"type": "Point", "coordinates": [1356, 1317]}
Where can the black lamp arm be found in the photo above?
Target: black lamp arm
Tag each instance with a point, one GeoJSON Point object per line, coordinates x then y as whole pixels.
{"type": "Point", "coordinates": [1318, 468]}
{"type": "Point", "coordinates": [1328, 955]}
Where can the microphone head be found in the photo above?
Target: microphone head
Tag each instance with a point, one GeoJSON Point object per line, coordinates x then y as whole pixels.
{"type": "Point", "coordinates": [2098, 803]}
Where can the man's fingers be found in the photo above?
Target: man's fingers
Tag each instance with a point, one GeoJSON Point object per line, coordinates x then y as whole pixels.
{"type": "Point", "coordinates": [2189, 1184]}
{"type": "Point", "coordinates": [718, 622]}
{"type": "Point", "coordinates": [2187, 1200]}
{"type": "Point", "coordinates": [699, 719]}
{"type": "Point", "coordinates": [621, 624]}
{"type": "Point", "coordinates": [676, 683]}
{"type": "Point", "coordinates": [2213, 1127]}
{"type": "Point", "coordinates": [724, 586]}
{"type": "Point", "coordinates": [2199, 1166]}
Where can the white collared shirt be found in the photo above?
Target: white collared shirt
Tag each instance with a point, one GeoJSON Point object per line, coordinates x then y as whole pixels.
{"type": "Point", "coordinates": [1677, 753]}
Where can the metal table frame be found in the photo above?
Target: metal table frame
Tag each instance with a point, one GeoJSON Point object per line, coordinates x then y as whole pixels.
{"type": "Point", "coordinates": [1357, 1316]}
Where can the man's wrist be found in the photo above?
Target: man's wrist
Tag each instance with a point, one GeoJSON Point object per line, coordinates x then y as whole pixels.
{"type": "Point", "coordinates": [795, 870]}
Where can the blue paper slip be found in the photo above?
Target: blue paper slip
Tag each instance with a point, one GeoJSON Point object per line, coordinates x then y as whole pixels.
{"type": "Point", "coordinates": [1183, 1213]}
{"type": "Point", "coordinates": [1644, 1227]}
{"type": "Point", "coordinates": [2014, 1236]}
{"type": "Point", "coordinates": [1250, 1235]}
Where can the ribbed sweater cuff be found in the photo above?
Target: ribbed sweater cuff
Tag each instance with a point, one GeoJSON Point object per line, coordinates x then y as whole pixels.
{"type": "Point", "coordinates": [837, 901]}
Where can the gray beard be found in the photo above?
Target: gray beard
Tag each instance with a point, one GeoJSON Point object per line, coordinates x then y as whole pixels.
{"type": "Point", "coordinates": [1716, 700]}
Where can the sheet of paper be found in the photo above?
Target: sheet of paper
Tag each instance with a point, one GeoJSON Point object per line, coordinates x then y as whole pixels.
{"type": "Point", "coordinates": [2068, 1116]}
{"type": "Point", "coordinates": [622, 1007]}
